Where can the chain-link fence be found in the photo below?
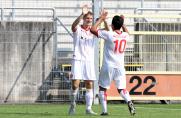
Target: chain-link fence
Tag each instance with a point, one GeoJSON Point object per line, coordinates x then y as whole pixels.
{"type": "Point", "coordinates": [26, 59]}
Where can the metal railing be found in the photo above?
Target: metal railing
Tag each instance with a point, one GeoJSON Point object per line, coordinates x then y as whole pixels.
{"type": "Point", "coordinates": [13, 16]}
{"type": "Point", "coordinates": [156, 9]}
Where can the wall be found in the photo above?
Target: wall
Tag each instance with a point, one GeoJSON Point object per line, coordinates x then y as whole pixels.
{"type": "Point", "coordinates": [26, 50]}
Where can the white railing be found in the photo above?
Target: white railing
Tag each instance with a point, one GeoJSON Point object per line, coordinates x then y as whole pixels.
{"type": "Point", "coordinates": [27, 13]}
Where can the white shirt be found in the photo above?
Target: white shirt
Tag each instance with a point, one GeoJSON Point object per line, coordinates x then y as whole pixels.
{"type": "Point", "coordinates": [83, 44]}
{"type": "Point", "coordinates": [114, 47]}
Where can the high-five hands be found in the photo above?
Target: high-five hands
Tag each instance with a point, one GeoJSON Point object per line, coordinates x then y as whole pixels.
{"type": "Point", "coordinates": [104, 14]}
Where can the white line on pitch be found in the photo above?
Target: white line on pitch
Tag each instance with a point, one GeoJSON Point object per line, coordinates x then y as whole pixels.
{"type": "Point", "coordinates": [152, 108]}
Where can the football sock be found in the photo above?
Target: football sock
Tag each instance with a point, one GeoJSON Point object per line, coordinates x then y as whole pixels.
{"type": "Point", "coordinates": [103, 100]}
{"type": "Point", "coordinates": [73, 96]}
{"type": "Point", "coordinates": [125, 94]}
{"type": "Point", "coordinates": [89, 98]}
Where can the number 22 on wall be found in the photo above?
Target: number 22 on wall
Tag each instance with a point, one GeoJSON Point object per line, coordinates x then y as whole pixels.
{"type": "Point", "coordinates": [119, 46]}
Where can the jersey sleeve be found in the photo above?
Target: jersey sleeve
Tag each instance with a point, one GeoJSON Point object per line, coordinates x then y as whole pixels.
{"type": "Point", "coordinates": [103, 34]}
{"type": "Point", "coordinates": [76, 31]}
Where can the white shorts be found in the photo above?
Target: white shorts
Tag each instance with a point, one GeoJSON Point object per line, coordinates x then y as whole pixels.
{"type": "Point", "coordinates": [108, 74]}
{"type": "Point", "coordinates": [83, 70]}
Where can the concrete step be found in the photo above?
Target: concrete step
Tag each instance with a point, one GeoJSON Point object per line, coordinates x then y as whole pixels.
{"type": "Point", "coordinates": [56, 92]}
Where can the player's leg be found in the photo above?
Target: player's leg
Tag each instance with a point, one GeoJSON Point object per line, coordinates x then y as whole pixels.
{"type": "Point", "coordinates": [89, 77]}
{"type": "Point", "coordinates": [126, 96]}
{"type": "Point", "coordinates": [89, 97]}
{"type": "Point", "coordinates": [74, 91]}
{"type": "Point", "coordinates": [105, 79]}
{"type": "Point", "coordinates": [73, 96]}
{"type": "Point", "coordinates": [131, 108]}
{"type": "Point", "coordinates": [76, 75]}
{"type": "Point", "coordinates": [120, 81]}
{"type": "Point", "coordinates": [103, 100]}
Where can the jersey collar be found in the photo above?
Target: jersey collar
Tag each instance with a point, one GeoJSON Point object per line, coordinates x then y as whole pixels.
{"type": "Point", "coordinates": [85, 28]}
{"type": "Point", "coordinates": [118, 32]}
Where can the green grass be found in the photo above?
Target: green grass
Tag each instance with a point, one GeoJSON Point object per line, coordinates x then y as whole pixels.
{"type": "Point", "coordinates": [115, 111]}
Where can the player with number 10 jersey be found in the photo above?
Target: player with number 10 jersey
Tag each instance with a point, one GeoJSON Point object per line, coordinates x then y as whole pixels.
{"type": "Point", "coordinates": [114, 47]}
{"type": "Point", "coordinates": [113, 61]}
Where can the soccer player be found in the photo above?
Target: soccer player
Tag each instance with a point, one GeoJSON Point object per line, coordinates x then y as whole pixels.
{"type": "Point", "coordinates": [113, 61]}
{"type": "Point", "coordinates": [83, 60]}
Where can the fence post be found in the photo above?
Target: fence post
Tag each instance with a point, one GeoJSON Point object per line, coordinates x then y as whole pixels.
{"type": "Point", "coordinates": [55, 64]}
{"type": "Point", "coordinates": [2, 14]}
{"type": "Point", "coordinates": [96, 10]}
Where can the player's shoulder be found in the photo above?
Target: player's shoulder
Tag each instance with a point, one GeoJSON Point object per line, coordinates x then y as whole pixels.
{"type": "Point", "coordinates": [125, 34]}
{"type": "Point", "coordinates": [103, 32]}
{"type": "Point", "coordinates": [76, 29]}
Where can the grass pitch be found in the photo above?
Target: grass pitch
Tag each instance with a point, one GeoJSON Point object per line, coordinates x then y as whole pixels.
{"type": "Point", "coordinates": [115, 111]}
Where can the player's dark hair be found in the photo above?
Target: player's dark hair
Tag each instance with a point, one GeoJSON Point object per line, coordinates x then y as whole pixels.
{"type": "Point", "coordinates": [117, 22]}
{"type": "Point", "coordinates": [88, 13]}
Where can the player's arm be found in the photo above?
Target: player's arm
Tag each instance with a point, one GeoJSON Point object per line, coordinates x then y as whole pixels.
{"type": "Point", "coordinates": [98, 22]}
{"type": "Point", "coordinates": [124, 28]}
{"type": "Point", "coordinates": [77, 21]}
{"type": "Point", "coordinates": [106, 26]}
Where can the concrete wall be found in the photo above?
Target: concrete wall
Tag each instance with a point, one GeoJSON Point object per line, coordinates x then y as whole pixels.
{"type": "Point", "coordinates": [26, 50]}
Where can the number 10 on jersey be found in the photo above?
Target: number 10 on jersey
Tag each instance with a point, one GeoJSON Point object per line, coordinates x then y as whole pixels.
{"type": "Point", "coordinates": [119, 46]}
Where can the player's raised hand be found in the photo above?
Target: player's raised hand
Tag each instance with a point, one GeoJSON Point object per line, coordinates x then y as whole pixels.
{"type": "Point", "coordinates": [85, 9]}
{"type": "Point", "coordinates": [122, 16]}
{"type": "Point", "coordinates": [104, 14]}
